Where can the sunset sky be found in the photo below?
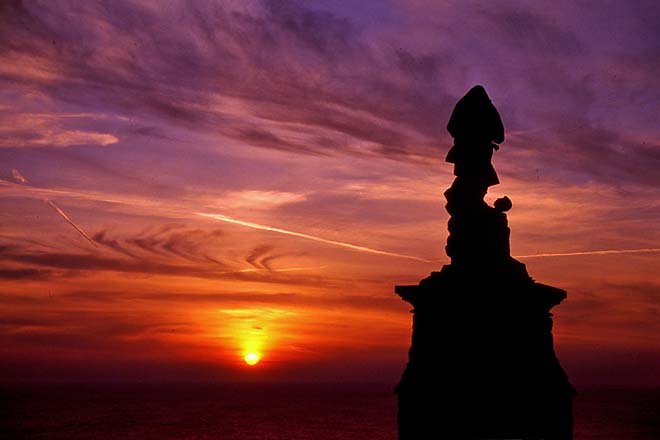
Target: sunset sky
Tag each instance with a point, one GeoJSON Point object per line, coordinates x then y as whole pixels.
{"type": "Point", "coordinates": [186, 182]}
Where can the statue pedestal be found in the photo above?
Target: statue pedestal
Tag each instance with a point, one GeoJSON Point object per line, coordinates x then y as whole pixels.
{"type": "Point", "coordinates": [482, 362]}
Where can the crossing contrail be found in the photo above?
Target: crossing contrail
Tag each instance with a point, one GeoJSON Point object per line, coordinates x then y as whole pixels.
{"type": "Point", "coordinates": [16, 174]}
{"type": "Point", "coordinates": [602, 252]}
{"type": "Point", "coordinates": [19, 178]}
{"type": "Point", "coordinates": [224, 218]}
{"type": "Point", "coordinates": [66, 217]}
{"type": "Point", "coordinates": [354, 247]}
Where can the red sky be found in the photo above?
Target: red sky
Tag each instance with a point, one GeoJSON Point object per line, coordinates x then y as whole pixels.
{"type": "Point", "coordinates": [256, 176]}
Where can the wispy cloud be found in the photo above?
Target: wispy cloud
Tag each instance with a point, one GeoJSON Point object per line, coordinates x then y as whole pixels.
{"type": "Point", "coordinates": [253, 199]}
{"type": "Point", "coordinates": [313, 81]}
{"type": "Point", "coordinates": [20, 130]}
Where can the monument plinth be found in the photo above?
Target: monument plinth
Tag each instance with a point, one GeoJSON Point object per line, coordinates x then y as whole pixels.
{"type": "Point", "coordinates": [482, 362]}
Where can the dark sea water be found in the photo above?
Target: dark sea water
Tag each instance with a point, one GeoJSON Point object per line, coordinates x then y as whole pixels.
{"type": "Point", "coordinates": [257, 411]}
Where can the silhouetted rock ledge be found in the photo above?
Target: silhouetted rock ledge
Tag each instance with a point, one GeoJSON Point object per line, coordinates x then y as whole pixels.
{"type": "Point", "coordinates": [482, 363]}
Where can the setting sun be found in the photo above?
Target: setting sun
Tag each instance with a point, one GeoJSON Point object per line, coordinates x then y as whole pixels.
{"type": "Point", "coordinates": [252, 358]}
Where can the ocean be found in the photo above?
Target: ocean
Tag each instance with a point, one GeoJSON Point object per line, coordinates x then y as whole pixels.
{"type": "Point", "coordinates": [267, 412]}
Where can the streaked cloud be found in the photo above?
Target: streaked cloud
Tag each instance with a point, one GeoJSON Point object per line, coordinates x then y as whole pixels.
{"type": "Point", "coordinates": [252, 199]}
{"type": "Point", "coordinates": [43, 130]}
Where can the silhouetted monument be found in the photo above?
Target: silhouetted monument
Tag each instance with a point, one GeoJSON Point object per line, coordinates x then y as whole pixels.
{"type": "Point", "coordinates": [482, 362]}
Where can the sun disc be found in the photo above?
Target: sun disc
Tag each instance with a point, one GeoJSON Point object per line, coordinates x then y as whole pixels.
{"type": "Point", "coordinates": [251, 358]}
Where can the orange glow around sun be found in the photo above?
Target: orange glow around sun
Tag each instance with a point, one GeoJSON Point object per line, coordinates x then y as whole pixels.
{"type": "Point", "coordinates": [252, 358]}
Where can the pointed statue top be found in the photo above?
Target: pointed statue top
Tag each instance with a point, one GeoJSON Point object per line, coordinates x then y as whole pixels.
{"type": "Point", "coordinates": [475, 119]}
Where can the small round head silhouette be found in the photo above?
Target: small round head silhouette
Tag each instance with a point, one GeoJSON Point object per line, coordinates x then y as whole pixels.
{"type": "Point", "coordinates": [503, 204]}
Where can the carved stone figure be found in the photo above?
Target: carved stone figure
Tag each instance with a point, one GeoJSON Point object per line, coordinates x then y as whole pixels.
{"type": "Point", "coordinates": [482, 362]}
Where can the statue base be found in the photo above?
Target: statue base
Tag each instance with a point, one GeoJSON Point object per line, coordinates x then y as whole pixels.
{"type": "Point", "coordinates": [482, 362]}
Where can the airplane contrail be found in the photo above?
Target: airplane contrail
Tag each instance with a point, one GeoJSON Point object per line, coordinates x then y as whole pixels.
{"type": "Point", "coordinates": [16, 174]}
{"type": "Point", "coordinates": [66, 217]}
{"type": "Point", "coordinates": [601, 252]}
{"type": "Point", "coordinates": [354, 247]}
{"type": "Point", "coordinates": [224, 218]}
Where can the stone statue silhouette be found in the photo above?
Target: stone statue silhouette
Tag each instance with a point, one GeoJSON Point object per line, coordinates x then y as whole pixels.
{"type": "Point", "coordinates": [482, 363]}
